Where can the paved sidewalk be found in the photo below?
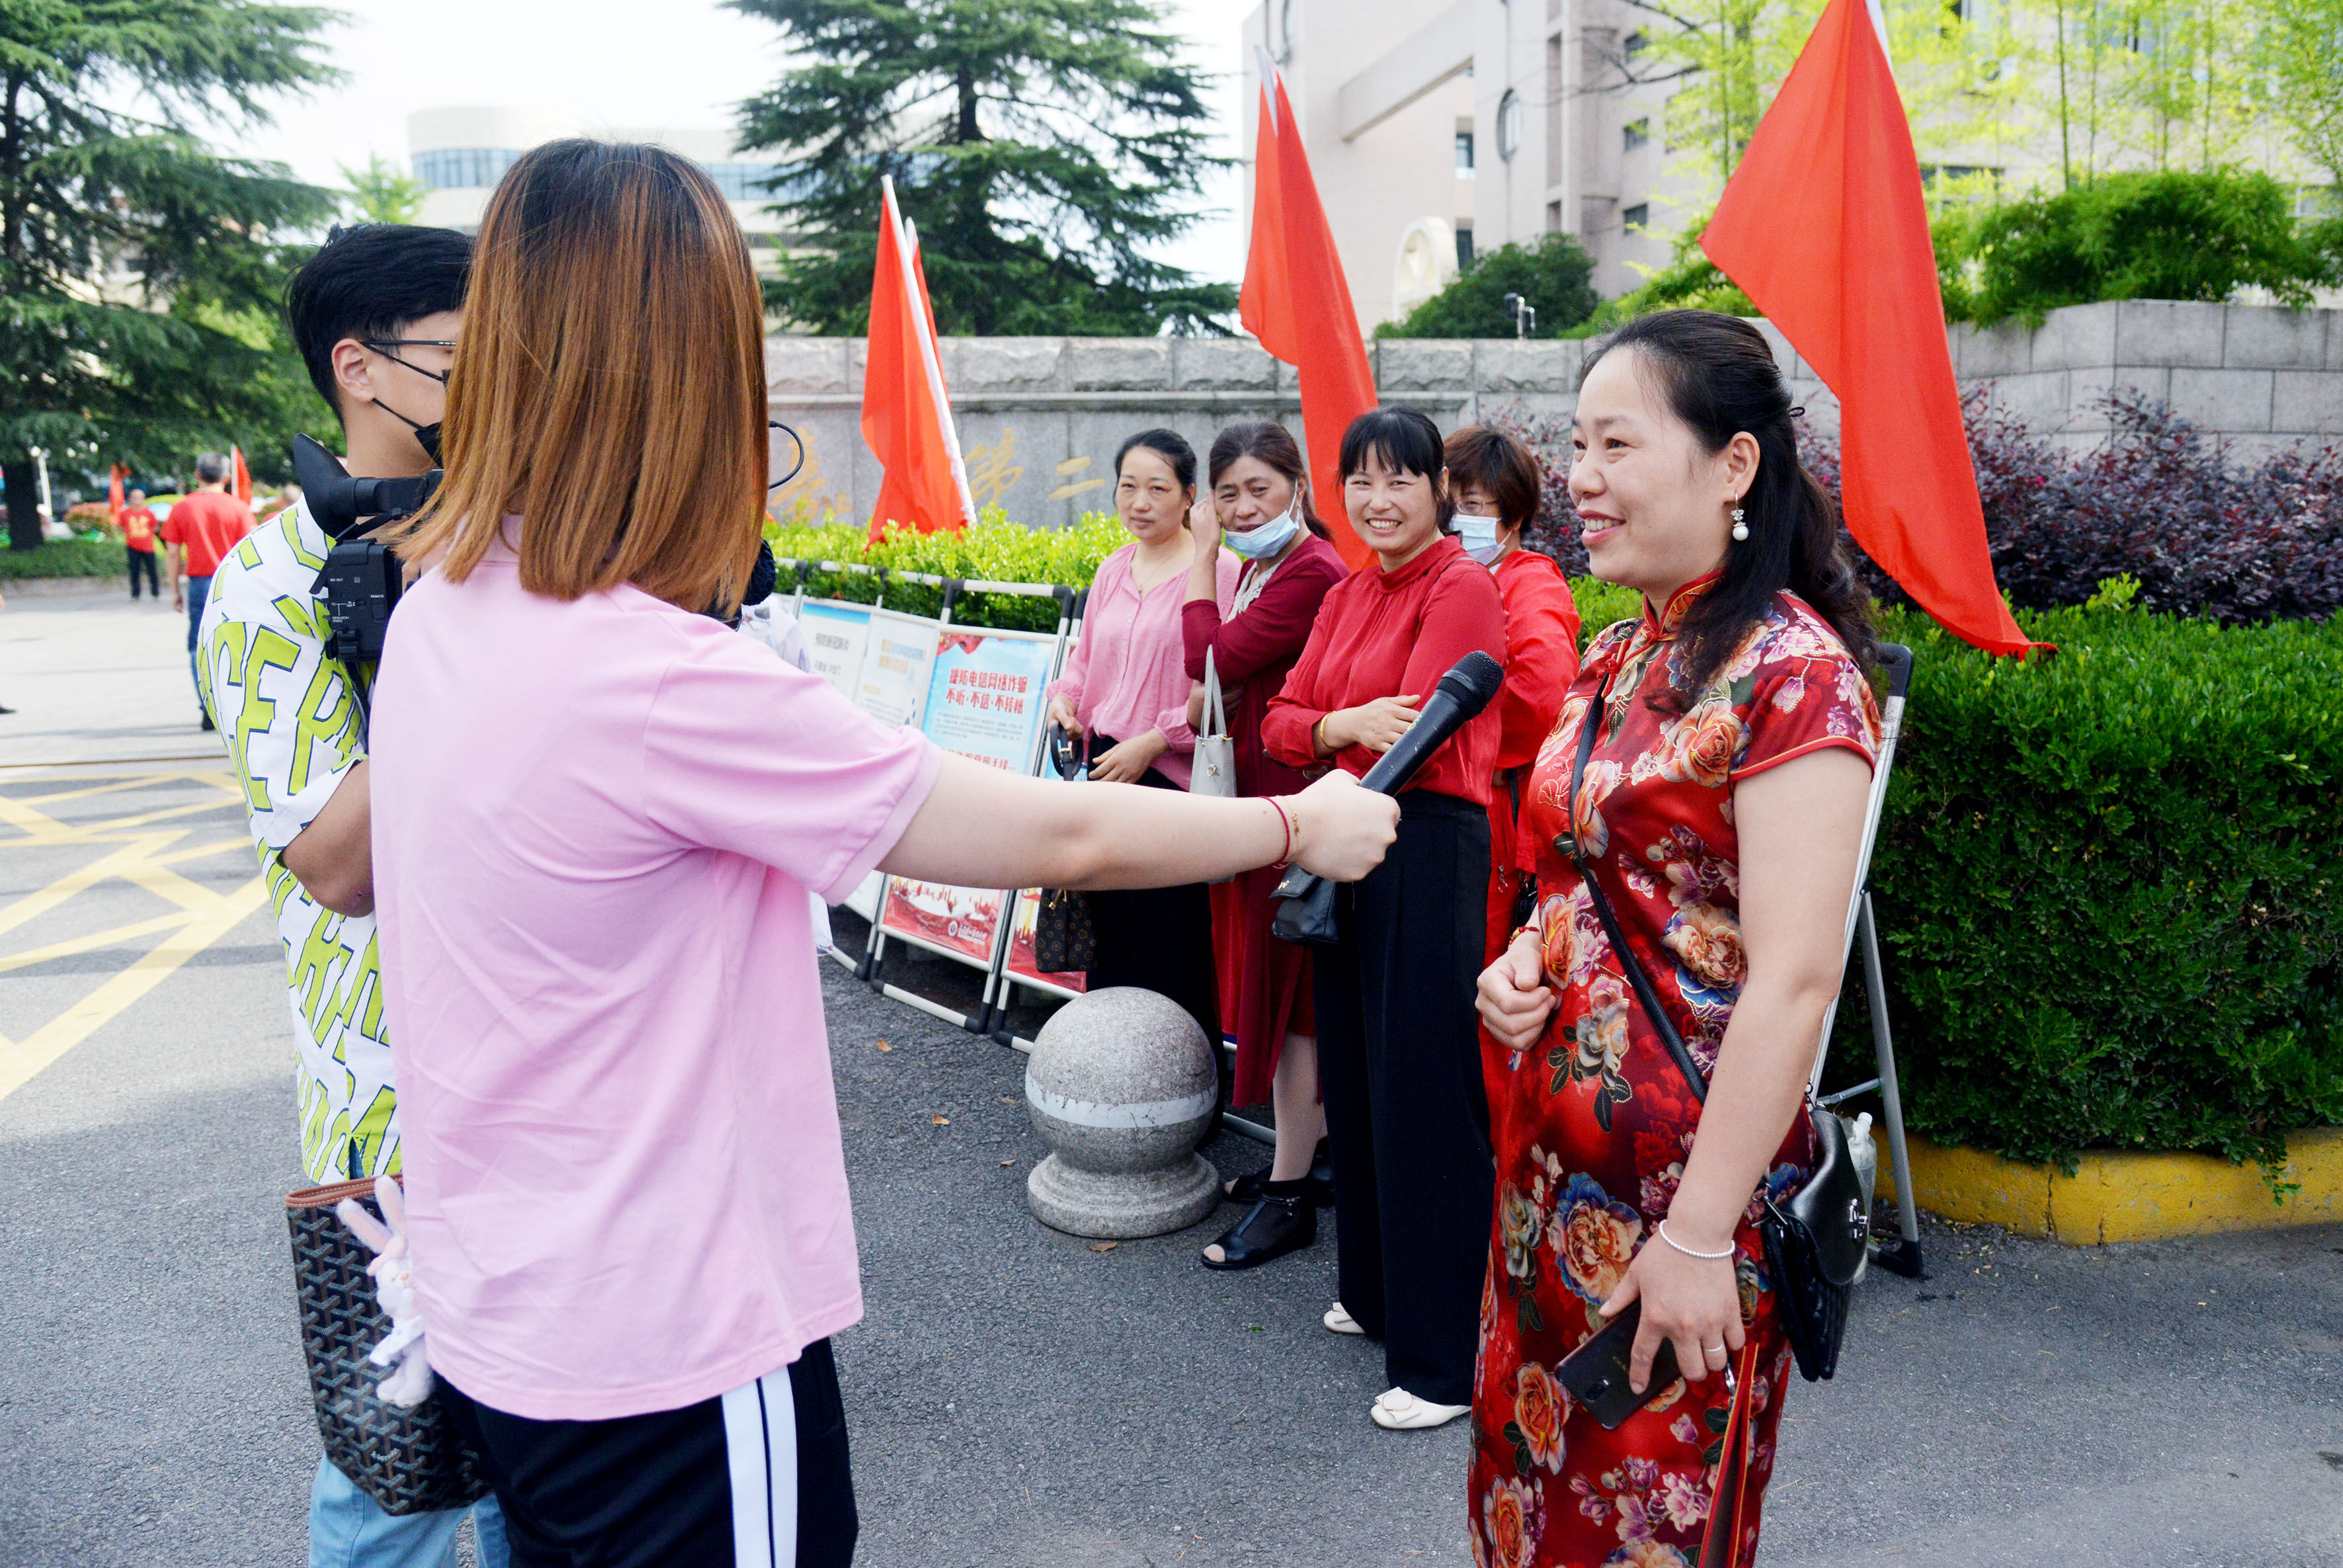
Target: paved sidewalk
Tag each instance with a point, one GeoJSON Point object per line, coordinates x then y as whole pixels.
{"type": "Point", "coordinates": [94, 678]}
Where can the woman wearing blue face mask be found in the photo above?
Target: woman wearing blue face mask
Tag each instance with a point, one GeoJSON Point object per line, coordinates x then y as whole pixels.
{"type": "Point", "coordinates": [1496, 482]}
{"type": "Point", "coordinates": [1258, 505]}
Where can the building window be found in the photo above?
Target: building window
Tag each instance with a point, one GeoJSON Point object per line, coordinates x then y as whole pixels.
{"type": "Point", "coordinates": [1463, 155]}
{"type": "Point", "coordinates": [1464, 249]}
{"type": "Point", "coordinates": [1553, 217]}
{"type": "Point", "coordinates": [463, 168]}
{"type": "Point", "coordinates": [1635, 133]}
{"type": "Point", "coordinates": [751, 182]}
{"type": "Point", "coordinates": [1509, 125]}
{"type": "Point", "coordinates": [1637, 218]}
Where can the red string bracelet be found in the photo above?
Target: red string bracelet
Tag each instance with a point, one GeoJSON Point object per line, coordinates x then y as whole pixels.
{"type": "Point", "coordinates": [1286, 822]}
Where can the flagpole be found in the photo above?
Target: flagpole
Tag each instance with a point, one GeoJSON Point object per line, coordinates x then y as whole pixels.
{"type": "Point", "coordinates": [906, 238]}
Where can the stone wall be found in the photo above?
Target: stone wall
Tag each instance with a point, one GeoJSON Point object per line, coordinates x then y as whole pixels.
{"type": "Point", "coordinates": [1039, 418]}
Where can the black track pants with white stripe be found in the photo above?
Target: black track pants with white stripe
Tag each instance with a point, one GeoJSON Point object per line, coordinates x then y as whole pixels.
{"type": "Point", "coordinates": [757, 1478]}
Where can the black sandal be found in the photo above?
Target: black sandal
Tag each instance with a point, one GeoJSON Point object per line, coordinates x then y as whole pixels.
{"type": "Point", "coordinates": [1247, 1188]}
{"type": "Point", "coordinates": [1271, 1228]}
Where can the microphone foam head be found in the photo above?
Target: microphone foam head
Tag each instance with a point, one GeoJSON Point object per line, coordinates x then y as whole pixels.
{"type": "Point", "coordinates": [1472, 680]}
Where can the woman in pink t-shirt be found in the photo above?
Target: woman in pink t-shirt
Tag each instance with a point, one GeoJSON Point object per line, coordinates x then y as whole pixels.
{"type": "Point", "coordinates": [596, 813]}
{"type": "Point", "coordinates": [1125, 690]}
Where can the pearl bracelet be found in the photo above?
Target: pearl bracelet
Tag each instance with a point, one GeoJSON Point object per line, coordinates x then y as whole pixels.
{"type": "Point", "coordinates": [1687, 1252]}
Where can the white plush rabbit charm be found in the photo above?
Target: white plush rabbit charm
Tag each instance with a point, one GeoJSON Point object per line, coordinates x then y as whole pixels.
{"type": "Point", "coordinates": [410, 1383]}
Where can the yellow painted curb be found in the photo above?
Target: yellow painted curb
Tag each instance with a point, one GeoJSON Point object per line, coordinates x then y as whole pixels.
{"type": "Point", "coordinates": [2119, 1197]}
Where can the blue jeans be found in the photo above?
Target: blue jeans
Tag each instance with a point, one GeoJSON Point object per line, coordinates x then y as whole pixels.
{"type": "Point", "coordinates": [347, 1529]}
{"type": "Point", "coordinates": [198, 590]}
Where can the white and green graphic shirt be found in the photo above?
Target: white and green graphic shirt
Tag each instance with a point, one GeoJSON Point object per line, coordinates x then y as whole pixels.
{"type": "Point", "coordinates": [287, 714]}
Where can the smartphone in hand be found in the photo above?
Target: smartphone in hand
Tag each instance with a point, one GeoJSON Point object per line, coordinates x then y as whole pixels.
{"type": "Point", "coordinates": [1596, 1373]}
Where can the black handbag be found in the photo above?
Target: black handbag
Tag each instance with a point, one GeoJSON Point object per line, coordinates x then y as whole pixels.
{"type": "Point", "coordinates": [1063, 939]}
{"type": "Point", "coordinates": [411, 1460]}
{"type": "Point", "coordinates": [1814, 1239]}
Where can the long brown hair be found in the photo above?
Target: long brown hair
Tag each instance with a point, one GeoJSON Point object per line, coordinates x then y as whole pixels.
{"type": "Point", "coordinates": [609, 383]}
{"type": "Point", "coordinates": [1271, 443]}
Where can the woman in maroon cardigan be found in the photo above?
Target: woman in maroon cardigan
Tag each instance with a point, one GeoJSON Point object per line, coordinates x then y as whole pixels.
{"type": "Point", "coordinates": [1259, 506]}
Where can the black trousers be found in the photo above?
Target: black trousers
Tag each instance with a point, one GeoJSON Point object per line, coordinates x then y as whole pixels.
{"type": "Point", "coordinates": [1158, 938]}
{"type": "Point", "coordinates": [143, 560]}
{"type": "Point", "coordinates": [664, 1490]}
{"type": "Point", "coordinates": [1399, 1063]}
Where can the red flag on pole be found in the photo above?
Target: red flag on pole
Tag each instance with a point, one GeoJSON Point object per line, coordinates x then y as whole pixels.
{"type": "Point", "coordinates": [243, 485]}
{"type": "Point", "coordinates": [906, 416]}
{"type": "Point", "coordinates": [1298, 303]}
{"type": "Point", "coordinates": [1825, 228]}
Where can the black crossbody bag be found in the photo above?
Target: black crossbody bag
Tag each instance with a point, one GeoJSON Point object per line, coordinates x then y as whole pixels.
{"type": "Point", "coordinates": [1814, 1239]}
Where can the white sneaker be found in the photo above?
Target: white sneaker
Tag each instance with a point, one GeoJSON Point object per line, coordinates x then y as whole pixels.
{"type": "Point", "coordinates": [1341, 1321]}
{"type": "Point", "coordinates": [1396, 1410]}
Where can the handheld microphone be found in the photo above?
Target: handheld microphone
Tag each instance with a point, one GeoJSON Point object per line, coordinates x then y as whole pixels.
{"type": "Point", "coordinates": [1307, 915]}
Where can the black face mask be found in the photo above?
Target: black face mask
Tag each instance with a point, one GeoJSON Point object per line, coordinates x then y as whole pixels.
{"type": "Point", "coordinates": [426, 435]}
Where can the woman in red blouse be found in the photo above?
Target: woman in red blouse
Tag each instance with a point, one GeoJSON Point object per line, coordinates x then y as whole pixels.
{"type": "Point", "coordinates": [1259, 496]}
{"type": "Point", "coordinates": [1721, 812]}
{"type": "Point", "coordinates": [1496, 482]}
{"type": "Point", "coordinates": [1398, 1056]}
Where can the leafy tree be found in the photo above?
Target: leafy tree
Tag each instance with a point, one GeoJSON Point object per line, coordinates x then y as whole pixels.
{"type": "Point", "coordinates": [2143, 236]}
{"type": "Point", "coordinates": [1552, 276]}
{"type": "Point", "coordinates": [381, 193]}
{"type": "Point", "coordinates": [1040, 147]}
{"type": "Point", "coordinates": [2304, 55]}
{"type": "Point", "coordinates": [139, 272]}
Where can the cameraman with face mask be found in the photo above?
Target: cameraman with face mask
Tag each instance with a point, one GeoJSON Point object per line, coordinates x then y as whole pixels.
{"type": "Point", "coordinates": [375, 313]}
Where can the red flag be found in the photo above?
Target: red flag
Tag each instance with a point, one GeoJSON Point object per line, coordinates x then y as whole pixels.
{"type": "Point", "coordinates": [906, 416]}
{"type": "Point", "coordinates": [243, 485]}
{"type": "Point", "coordinates": [115, 500]}
{"type": "Point", "coordinates": [1297, 302]}
{"type": "Point", "coordinates": [1825, 228]}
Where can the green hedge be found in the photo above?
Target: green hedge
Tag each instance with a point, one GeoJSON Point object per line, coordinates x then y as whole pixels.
{"type": "Point", "coordinates": [2107, 887]}
{"type": "Point", "coordinates": [994, 551]}
{"type": "Point", "coordinates": [73, 557]}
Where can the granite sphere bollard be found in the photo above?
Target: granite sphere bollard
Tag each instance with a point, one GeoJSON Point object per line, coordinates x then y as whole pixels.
{"type": "Point", "coordinates": [1121, 1085]}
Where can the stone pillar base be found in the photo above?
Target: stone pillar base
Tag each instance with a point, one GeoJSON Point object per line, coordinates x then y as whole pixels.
{"type": "Point", "coordinates": [1120, 1206]}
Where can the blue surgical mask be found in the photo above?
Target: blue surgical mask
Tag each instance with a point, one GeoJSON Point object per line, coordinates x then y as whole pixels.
{"type": "Point", "coordinates": [1261, 543]}
{"type": "Point", "coordinates": [1478, 536]}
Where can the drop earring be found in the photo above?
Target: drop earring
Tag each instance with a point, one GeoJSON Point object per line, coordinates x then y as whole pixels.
{"type": "Point", "coordinates": [1740, 529]}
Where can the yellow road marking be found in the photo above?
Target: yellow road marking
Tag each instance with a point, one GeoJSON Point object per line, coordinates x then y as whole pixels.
{"type": "Point", "coordinates": [167, 885]}
{"type": "Point", "coordinates": [124, 862]}
{"type": "Point", "coordinates": [117, 785]}
{"type": "Point", "coordinates": [21, 1060]}
{"type": "Point", "coordinates": [94, 940]}
{"type": "Point", "coordinates": [198, 851]}
{"type": "Point", "coordinates": [144, 817]}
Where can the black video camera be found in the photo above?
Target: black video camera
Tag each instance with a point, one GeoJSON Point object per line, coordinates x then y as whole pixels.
{"type": "Point", "coordinates": [359, 586]}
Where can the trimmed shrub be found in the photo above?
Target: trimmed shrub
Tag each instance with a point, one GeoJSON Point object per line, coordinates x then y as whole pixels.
{"type": "Point", "coordinates": [2199, 531]}
{"type": "Point", "coordinates": [993, 550]}
{"type": "Point", "coordinates": [2109, 888]}
{"type": "Point", "coordinates": [2175, 235]}
{"type": "Point", "coordinates": [1552, 274]}
{"type": "Point", "coordinates": [80, 557]}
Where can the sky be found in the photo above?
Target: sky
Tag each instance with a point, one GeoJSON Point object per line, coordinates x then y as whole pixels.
{"type": "Point", "coordinates": [678, 63]}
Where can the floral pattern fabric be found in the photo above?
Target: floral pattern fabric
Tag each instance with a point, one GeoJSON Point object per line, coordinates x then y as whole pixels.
{"type": "Point", "coordinates": [1593, 1123]}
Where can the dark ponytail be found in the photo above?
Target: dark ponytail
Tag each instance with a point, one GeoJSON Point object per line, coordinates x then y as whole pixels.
{"type": "Point", "coordinates": [1718, 376]}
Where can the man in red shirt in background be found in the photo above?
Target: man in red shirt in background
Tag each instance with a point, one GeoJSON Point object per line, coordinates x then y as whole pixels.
{"type": "Point", "coordinates": [139, 526]}
{"type": "Point", "coordinates": [201, 529]}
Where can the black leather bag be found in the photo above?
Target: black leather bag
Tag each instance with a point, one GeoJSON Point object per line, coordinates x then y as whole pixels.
{"type": "Point", "coordinates": [408, 1460]}
{"type": "Point", "coordinates": [1814, 1239]}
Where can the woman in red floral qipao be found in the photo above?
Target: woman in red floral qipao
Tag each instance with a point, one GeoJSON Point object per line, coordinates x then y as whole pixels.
{"type": "Point", "coordinates": [1721, 810]}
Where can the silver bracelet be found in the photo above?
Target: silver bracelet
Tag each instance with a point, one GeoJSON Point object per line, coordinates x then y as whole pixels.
{"type": "Point", "coordinates": [1687, 1252]}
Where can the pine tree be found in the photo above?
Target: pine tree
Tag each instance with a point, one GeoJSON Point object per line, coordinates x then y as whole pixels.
{"type": "Point", "coordinates": [139, 272]}
{"type": "Point", "coordinates": [1042, 148]}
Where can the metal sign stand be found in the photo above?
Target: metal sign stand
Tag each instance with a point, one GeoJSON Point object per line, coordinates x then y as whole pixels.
{"type": "Point", "coordinates": [1902, 1254]}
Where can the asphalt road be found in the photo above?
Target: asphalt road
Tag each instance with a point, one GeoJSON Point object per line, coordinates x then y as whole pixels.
{"type": "Point", "coordinates": [1016, 1398]}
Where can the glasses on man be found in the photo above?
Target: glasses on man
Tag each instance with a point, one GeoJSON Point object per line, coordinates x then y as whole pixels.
{"type": "Point", "coordinates": [383, 346]}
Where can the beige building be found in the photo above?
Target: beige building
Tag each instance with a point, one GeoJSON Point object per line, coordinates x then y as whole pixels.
{"type": "Point", "coordinates": [460, 154]}
{"type": "Point", "coordinates": [1436, 130]}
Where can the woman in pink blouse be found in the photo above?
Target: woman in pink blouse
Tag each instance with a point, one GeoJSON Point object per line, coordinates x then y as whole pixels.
{"type": "Point", "coordinates": [1126, 687]}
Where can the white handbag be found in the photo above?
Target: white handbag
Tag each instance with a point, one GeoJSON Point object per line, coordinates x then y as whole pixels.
{"type": "Point", "coordinates": [1215, 770]}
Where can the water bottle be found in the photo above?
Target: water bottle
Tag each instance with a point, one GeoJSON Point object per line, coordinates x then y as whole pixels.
{"type": "Point", "coordinates": [1865, 1155]}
